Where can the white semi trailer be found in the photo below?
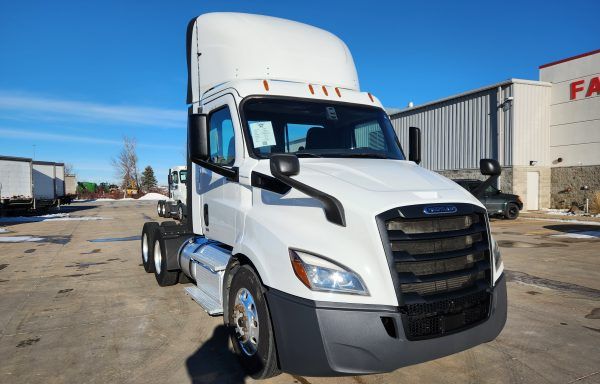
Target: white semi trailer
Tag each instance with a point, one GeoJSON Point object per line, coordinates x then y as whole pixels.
{"type": "Point", "coordinates": [15, 183]}
{"type": "Point", "coordinates": [70, 189]}
{"type": "Point", "coordinates": [326, 248]}
{"type": "Point", "coordinates": [177, 184]}
{"type": "Point", "coordinates": [44, 186]}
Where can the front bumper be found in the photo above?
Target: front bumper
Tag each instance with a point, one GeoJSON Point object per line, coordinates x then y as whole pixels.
{"type": "Point", "coordinates": [331, 339]}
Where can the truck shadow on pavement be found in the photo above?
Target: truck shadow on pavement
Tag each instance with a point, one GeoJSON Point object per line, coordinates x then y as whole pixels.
{"type": "Point", "coordinates": [214, 362]}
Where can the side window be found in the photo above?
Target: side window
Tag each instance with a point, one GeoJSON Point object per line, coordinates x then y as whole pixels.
{"type": "Point", "coordinates": [491, 190]}
{"type": "Point", "coordinates": [174, 178]}
{"type": "Point", "coordinates": [183, 176]}
{"type": "Point", "coordinates": [222, 138]}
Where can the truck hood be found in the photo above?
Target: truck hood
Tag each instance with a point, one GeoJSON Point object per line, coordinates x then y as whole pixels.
{"type": "Point", "coordinates": [377, 184]}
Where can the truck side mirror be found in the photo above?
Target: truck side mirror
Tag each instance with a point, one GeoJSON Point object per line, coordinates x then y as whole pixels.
{"type": "Point", "coordinates": [169, 179]}
{"type": "Point", "coordinates": [414, 144]}
{"type": "Point", "coordinates": [490, 167]}
{"type": "Point", "coordinates": [285, 164]}
{"type": "Point", "coordinates": [198, 137]}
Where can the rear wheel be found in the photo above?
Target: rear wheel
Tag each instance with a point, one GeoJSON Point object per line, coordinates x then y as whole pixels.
{"type": "Point", "coordinates": [166, 209]}
{"type": "Point", "coordinates": [159, 209]}
{"type": "Point", "coordinates": [512, 211]}
{"type": "Point", "coordinates": [249, 317]}
{"type": "Point", "coordinates": [164, 277]}
{"type": "Point", "coordinates": [148, 246]}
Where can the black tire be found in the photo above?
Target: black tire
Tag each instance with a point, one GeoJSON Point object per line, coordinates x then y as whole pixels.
{"type": "Point", "coordinates": [180, 212]}
{"type": "Point", "coordinates": [512, 211]}
{"type": "Point", "coordinates": [167, 210]}
{"type": "Point", "coordinates": [147, 246]}
{"type": "Point", "coordinates": [159, 208]}
{"type": "Point", "coordinates": [164, 278]}
{"type": "Point", "coordinates": [262, 363]}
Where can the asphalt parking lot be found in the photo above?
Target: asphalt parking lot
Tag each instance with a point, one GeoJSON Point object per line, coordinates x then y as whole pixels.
{"type": "Point", "coordinates": [77, 307]}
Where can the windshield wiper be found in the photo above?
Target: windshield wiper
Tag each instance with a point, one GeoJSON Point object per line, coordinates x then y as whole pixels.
{"type": "Point", "coordinates": [307, 154]}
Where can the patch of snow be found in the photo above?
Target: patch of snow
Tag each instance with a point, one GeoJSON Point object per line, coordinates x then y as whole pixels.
{"type": "Point", "coordinates": [4, 230]}
{"type": "Point", "coordinates": [111, 199]}
{"type": "Point", "coordinates": [564, 221]}
{"type": "Point", "coordinates": [52, 217]}
{"type": "Point", "coordinates": [560, 212]}
{"type": "Point", "coordinates": [581, 235]}
{"type": "Point", "coordinates": [19, 239]}
{"type": "Point", "coordinates": [153, 196]}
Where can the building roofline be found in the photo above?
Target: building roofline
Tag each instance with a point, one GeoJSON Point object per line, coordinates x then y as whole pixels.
{"type": "Point", "coordinates": [41, 162]}
{"type": "Point", "coordinates": [14, 158]}
{"type": "Point", "coordinates": [569, 59]}
{"type": "Point", "coordinates": [476, 90]}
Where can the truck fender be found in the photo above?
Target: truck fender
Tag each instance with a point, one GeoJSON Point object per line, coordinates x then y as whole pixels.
{"type": "Point", "coordinates": [233, 265]}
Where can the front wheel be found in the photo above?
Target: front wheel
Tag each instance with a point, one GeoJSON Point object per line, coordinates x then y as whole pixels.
{"type": "Point", "coordinates": [512, 211]}
{"type": "Point", "coordinates": [248, 315]}
{"type": "Point", "coordinates": [159, 209]}
{"type": "Point", "coordinates": [180, 211]}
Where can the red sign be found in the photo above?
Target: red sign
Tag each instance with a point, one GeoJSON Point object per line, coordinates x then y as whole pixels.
{"type": "Point", "coordinates": [593, 87]}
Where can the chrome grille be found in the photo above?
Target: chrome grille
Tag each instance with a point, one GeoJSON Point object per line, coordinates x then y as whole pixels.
{"type": "Point", "coordinates": [438, 261]}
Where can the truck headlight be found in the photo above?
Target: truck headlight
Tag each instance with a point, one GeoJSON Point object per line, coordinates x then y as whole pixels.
{"type": "Point", "coordinates": [498, 264]}
{"type": "Point", "coordinates": [319, 274]}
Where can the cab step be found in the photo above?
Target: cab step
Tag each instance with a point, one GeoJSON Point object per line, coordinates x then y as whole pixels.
{"type": "Point", "coordinates": [210, 305]}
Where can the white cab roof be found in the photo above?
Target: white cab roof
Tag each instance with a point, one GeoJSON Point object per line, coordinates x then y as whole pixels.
{"type": "Point", "coordinates": [223, 47]}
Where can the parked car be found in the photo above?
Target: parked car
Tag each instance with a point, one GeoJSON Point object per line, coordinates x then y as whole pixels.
{"type": "Point", "coordinates": [496, 202]}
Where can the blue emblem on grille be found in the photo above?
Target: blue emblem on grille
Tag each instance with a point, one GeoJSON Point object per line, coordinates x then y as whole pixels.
{"type": "Point", "coordinates": [437, 209]}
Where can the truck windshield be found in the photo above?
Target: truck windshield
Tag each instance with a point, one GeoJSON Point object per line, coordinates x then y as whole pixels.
{"type": "Point", "coordinates": [318, 129]}
{"type": "Point", "coordinates": [183, 176]}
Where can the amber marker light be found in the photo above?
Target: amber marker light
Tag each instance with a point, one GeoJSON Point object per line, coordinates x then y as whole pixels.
{"type": "Point", "coordinates": [325, 91]}
{"type": "Point", "coordinates": [311, 89]}
{"type": "Point", "coordinates": [266, 84]}
{"type": "Point", "coordinates": [337, 90]}
{"type": "Point", "coordinates": [371, 97]}
{"type": "Point", "coordinates": [299, 269]}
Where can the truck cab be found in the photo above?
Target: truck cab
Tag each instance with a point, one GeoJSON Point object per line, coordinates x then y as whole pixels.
{"type": "Point", "coordinates": [326, 247]}
{"type": "Point", "coordinates": [175, 207]}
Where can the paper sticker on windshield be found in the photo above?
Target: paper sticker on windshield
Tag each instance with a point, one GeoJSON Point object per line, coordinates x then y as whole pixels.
{"type": "Point", "coordinates": [262, 134]}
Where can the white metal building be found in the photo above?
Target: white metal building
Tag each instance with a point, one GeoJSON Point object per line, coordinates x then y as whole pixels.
{"type": "Point", "coordinates": [545, 134]}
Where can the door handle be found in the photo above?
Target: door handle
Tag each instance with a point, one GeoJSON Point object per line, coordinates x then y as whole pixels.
{"type": "Point", "coordinates": [206, 215]}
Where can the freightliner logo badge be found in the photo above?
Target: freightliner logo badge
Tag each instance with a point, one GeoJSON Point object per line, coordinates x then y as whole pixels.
{"type": "Point", "coordinates": [439, 209]}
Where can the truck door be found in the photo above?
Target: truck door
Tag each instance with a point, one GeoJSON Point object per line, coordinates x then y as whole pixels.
{"type": "Point", "coordinates": [174, 185]}
{"type": "Point", "coordinates": [219, 192]}
{"type": "Point", "coordinates": [494, 202]}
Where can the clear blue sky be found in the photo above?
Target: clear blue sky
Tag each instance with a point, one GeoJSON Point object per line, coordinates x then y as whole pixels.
{"type": "Point", "coordinates": [75, 76]}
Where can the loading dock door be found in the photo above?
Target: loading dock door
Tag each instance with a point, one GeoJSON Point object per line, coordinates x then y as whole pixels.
{"type": "Point", "coordinates": [533, 183]}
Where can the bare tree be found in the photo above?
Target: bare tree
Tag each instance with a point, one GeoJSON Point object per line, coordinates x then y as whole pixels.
{"type": "Point", "coordinates": [125, 164]}
{"type": "Point", "coordinates": [69, 169]}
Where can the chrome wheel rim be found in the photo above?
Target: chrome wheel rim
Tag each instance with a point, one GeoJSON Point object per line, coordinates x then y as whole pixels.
{"type": "Point", "coordinates": [180, 213]}
{"type": "Point", "coordinates": [245, 318]}
{"type": "Point", "coordinates": [158, 208]}
{"type": "Point", "coordinates": [145, 247]}
{"type": "Point", "coordinates": [157, 257]}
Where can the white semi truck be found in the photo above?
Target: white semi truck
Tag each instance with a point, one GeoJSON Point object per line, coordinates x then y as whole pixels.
{"type": "Point", "coordinates": [327, 250]}
{"type": "Point", "coordinates": [177, 184]}
{"type": "Point", "coordinates": [16, 190]}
